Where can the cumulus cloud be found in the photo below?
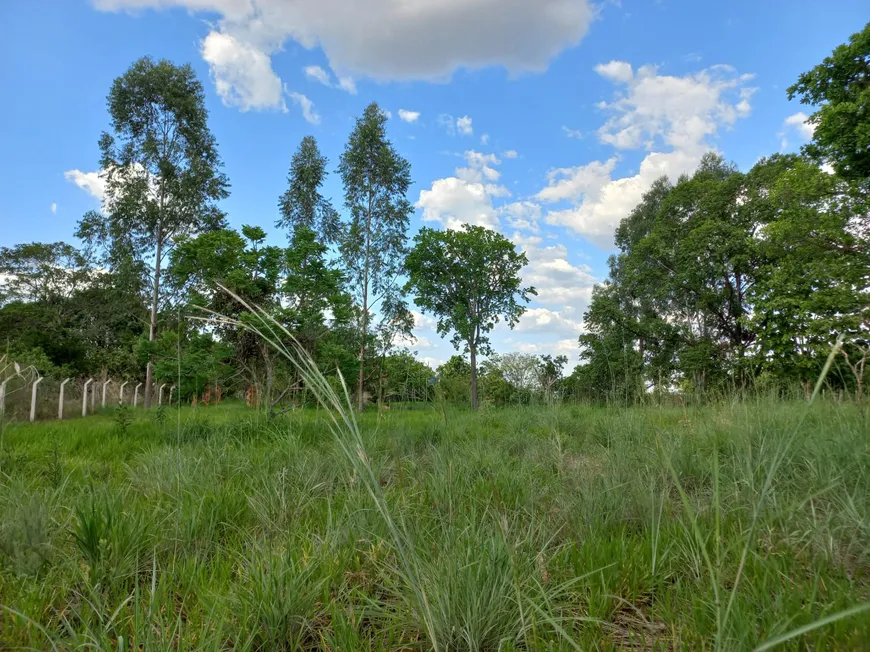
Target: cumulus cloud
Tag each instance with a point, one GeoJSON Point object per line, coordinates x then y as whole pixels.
{"type": "Point", "coordinates": [511, 153]}
{"type": "Point", "coordinates": [572, 133]}
{"type": "Point", "coordinates": [424, 322]}
{"type": "Point", "coordinates": [673, 118]}
{"type": "Point", "coordinates": [551, 322]}
{"type": "Point", "coordinates": [347, 84]}
{"type": "Point", "coordinates": [54, 209]}
{"type": "Point", "coordinates": [318, 74]}
{"type": "Point", "coordinates": [619, 71]}
{"type": "Point", "coordinates": [242, 73]}
{"type": "Point", "coordinates": [522, 215]}
{"type": "Point", "coordinates": [452, 202]}
{"type": "Point", "coordinates": [307, 107]}
{"type": "Point", "coordinates": [362, 38]}
{"type": "Point", "coordinates": [799, 123]}
{"type": "Point", "coordinates": [409, 116]}
{"type": "Point", "coordinates": [452, 126]}
{"type": "Point", "coordinates": [480, 168]}
{"type": "Point", "coordinates": [93, 183]}
{"type": "Point", "coordinates": [559, 283]}
{"type": "Point", "coordinates": [484, 140]}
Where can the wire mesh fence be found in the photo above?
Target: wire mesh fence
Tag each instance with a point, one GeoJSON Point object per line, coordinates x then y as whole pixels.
{"type": "Point", "coordinates": [27, 396]}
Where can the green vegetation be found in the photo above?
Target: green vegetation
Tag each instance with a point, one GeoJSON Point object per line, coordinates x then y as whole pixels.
{"type": "Point", "coordinates": [549, 529]}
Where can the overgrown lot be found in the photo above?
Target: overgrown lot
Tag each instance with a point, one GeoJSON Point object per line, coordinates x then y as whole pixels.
{"type": "Point", "coordinates": [537, 529]}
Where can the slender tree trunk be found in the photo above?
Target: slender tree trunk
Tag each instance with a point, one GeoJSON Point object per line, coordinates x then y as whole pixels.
{"type": "Point", "coordinates": [152, 330]}
{"type": "Point", "coordinates": [365, 314]}
{"type": "Point", "coordinates": [473, 356]}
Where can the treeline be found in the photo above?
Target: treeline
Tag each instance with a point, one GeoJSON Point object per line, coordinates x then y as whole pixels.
{"type": "Point", "coordinates": [165, 286]}
{"type": "Point", "coordinates": [727, 281]}
{"type": "Point", "coordinates": [724, 282]}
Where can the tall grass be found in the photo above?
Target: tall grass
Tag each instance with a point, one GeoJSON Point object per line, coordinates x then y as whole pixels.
{"type": "Point", "coordinates": [557, 528]}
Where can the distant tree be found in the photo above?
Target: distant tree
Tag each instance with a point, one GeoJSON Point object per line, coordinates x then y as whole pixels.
{"type": "Point", "coordinates": [162, 174]}
{"type": "Point", "coordinates": [242, 263]}
{"type": "Point", "coordinates": [468, 279]}
{"type": "Point", "coordinates": [373, 245]}
{"type": "Point", "coordinates": [549, 373]}
{"type": "Point", "coordinates": [840, 87]}
{"type": "Point", "coordinates": [455, 367]}
{"type": "Point", "coordinates": [302, 205]}
{"type": "Point", "coordinates": [520, 370]}
{"type": "Point", "coordinates": [38, 271]}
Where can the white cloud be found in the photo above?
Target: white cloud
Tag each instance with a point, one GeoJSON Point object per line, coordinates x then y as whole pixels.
{"type": "Point", "coordinates": [569, 347]}
{"type": "Point", "coordinates": [347, 84]}
{"type": "Point", "coordinates": [542, 320]}
{"type": "Point", "coordinates": [511, 153]}
{"type": "Point", "coordinates": [92, 183]}
{"type": "Point", "coordinates": [424, 322]}
{"type": "Point", "coordinates": [484, 140]}
{"type": "Point", "coordinates": [242, 73]}
{"type": "Point", "coordinates": [463, 126]}
{"type": "Point", "coordinates": [432, 363]}
{"type": "Point", "coordinates": [681, 111]}
{"type": "Point", "coordinates": [523, 215]}
{"type": "Point", "coordinates": [618, 71]}
{"type": "Point", "coordinates": [672, 117]}
{"type": "Point", "coordinates": [318, 74]}
{"type": "Point", "coordinates": [433, 38]}
{"type": "Point", "coordinates": [453, 202]}
{"type": "Point", "coordinates": [409, 116]}
{"type": "Point", "coordinates": [572, 133]}
{"type": "Point", "coordinates": [558, 282]}
{"type": "Point", "coordinates": [54, 209]}
{"type": "Point", "coordinates": [479, 168]}
{"type": "Point", "coordinates": [800, 123]}
{"type": "Point", "coordinates": [307, 107]}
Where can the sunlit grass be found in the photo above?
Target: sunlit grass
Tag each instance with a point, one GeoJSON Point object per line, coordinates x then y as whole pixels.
{"type": "Point", "coordinates": [556, 528]}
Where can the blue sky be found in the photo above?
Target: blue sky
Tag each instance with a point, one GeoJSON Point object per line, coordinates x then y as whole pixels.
{"type": "Point", "coordinates": [544, 119]}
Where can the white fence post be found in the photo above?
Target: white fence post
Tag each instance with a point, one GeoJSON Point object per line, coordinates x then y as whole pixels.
{"type": "Point", "coordinates": [3, 397]}
{"type": "Point", "coordinates": [160, 394]}
{"type": "Point", "coordinates": [105, 384]}
{"type": "Point", "coordinates": [85, 398]}
{"type": "Point", "coordinates": [33, 398]}
{"type": "Point", "coordinates": [121, 395]}
{"type": "Point", "coordinates": [171, 389]}
{"type": "Point", "coordinates": [60, 400]}
{"type": "Point", "coordinates": [136, 395]}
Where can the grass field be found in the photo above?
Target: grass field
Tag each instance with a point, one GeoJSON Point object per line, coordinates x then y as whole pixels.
{"type": "Point", "coordinates": [557, 528]}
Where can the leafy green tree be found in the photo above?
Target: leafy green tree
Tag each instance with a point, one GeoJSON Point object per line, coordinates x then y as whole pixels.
{"type": "Point", "coordinates": [814, 283]}
{"type": "Point", "coordinates": [549, 372]}
{"type": "Point", "coordinates": [302, 205]}
{"type": "Point", "coordinates": [455, 367]}
{"type": "Point", "coordinates": [840, 87]}
{"type": "Point", "coordinates": [162, 174]}
{"type": "Point", "coordinates": [376, 182]}
{"type": "Point", "coordinates": [470, 281]}
{"type": "Point", "coordinates": [242, 263]}
{"type": "Point", "coordinates": [44, 272]}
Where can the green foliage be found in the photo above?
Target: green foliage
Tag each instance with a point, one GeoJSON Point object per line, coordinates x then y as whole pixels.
{"type": "Point", "coordinates": [727, 276]}
{"type": "Point", "coordinates": [529, 528]}
{"type": "Point", "coordinates": [373, 245]}
{"type": "Point", "coordinates": [840, 87]}
{"type": "Point", "coordinates": [122, 417]}
{"type": "Point", "coordinates": [470, 281]}
{"type": "Point", "coordinates": [162, 175]}
{"type": "Point", "coordinates": [302, 205]}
